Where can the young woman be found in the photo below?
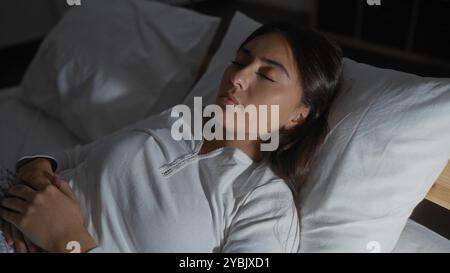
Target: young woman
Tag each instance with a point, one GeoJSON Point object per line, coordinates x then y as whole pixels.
{"type": "Point", "coordinates": [140, 190]}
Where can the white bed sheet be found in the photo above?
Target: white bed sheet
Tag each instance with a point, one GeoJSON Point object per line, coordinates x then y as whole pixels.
{"type": "Point", "coordinates": [417, 238]}
{"type": "Point", "coordinates": [24, 129]}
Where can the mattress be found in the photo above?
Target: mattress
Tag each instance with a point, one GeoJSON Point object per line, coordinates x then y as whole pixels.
{"type": "Point", "coordinates": [25, 130]}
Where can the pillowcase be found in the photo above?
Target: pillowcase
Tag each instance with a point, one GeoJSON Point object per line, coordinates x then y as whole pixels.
{"type": "Point", "coordinates": [389, 141]}
{"type": "Point", "coordinates": [110, 63]}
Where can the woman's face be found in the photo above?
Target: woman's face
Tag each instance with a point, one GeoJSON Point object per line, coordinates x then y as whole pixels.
{"type": "Point", "coordinates": [264, 72]}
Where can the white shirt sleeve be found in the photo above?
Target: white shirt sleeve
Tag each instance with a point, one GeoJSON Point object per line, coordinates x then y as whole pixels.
{"type": "Point", "coordinates": [67, 159]}
{"type": "Point", "coordinates": [267, 221]}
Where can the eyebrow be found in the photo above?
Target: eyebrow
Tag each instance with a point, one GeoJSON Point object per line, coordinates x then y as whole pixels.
{"type": "Point", "coordinates": [247, 51]}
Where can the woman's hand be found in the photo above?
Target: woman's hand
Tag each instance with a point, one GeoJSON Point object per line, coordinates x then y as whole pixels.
{"type": "Point", "coordinates": [15, 238]}
{"type": "Point", "coordinates": [48, 215]}
{"type": "Point", "coordinates": [40, 170]}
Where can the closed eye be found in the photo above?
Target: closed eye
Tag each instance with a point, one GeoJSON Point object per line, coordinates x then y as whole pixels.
{"type": "Point", "coordinates": [264, 77]}
{"type": "Point", "coordinates": [237, 63]}
{"type": "Point", "coordinates": [259, 74]}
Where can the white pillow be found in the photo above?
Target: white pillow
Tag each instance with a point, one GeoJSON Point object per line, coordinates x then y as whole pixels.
{"type": "Point", "coordinates": [390, 140]}
{"type": "Point", "coordinates": [110, 63]}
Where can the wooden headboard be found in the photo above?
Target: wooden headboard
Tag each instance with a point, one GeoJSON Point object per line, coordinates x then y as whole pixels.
{"type": "Point", "coordinates": [440, 192]}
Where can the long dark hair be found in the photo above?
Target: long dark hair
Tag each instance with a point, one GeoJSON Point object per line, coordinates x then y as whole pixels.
{"type": "Point", "coordinates": [319, 63]}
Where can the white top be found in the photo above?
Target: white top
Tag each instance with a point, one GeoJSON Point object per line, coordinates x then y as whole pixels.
{"type": "Point", "coordinates": [142, 191]}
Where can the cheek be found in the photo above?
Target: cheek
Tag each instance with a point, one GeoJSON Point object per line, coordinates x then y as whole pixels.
{"type": "Point", "coordinates": [284, 98]}
{"type": "Point", "coordinates": [225, 83]}
{"type": "Point", "coordinates": [274, 96]}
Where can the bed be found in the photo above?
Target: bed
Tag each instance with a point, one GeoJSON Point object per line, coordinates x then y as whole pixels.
{"type": "Point", "coordinates": [26, 129]}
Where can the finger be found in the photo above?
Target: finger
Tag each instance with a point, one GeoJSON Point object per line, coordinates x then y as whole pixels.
{"type": "Point", "coordinates": [57, 181]}
{"type": "Point", "coordinates": [19, 243]}
{"type": "Point", "coordinates": [22, 191]}
{"type": "Point", "coordinates": [10, 216]}
{"type": "Point", "coordinates": [32, 248]}
{"type": "Point", "coordinates": [7, 233]}
{"type": "Point", "coordinates": [14, 203]}
{"type": "Point", "coordinates": [64, 187]}
{"type": "Point", "coordinates": [37, 183]}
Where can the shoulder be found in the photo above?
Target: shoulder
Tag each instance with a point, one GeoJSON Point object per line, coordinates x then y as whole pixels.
{"type": "Point", "coordinates": [162, 120]}
{"type": "Point", "coordinates": [266, 219]}
{"type": "Point", "coordinates": [263, 185]}
{"type": "Point", "coordinates": [264, 177]}
{"type": "Point", "coordinates": [165, 128]}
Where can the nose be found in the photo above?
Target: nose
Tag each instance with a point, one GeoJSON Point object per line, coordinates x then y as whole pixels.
{"type": "Point", "coordinates": [241, 78]}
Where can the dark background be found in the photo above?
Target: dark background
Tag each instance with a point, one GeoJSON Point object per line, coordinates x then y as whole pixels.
{"type": "Point", "coordinates": [407, 35]}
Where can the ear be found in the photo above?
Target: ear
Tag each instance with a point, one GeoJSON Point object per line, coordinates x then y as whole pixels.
{"type": "Point", "coordinates": [298, 117]}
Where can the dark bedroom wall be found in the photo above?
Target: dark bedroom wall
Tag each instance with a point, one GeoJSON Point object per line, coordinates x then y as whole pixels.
{"type": "Point", "coordinates": [408, 35]}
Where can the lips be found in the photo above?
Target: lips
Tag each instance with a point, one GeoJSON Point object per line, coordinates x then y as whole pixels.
{"type": "Point", "coordinates": [230, 100]}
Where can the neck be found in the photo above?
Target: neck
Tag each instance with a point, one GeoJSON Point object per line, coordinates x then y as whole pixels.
{"type": "Point", "coordinates": [249, 147]}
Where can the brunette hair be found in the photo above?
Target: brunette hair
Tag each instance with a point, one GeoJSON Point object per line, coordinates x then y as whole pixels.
{"type": "Point", "coordinates": [319, 63]}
